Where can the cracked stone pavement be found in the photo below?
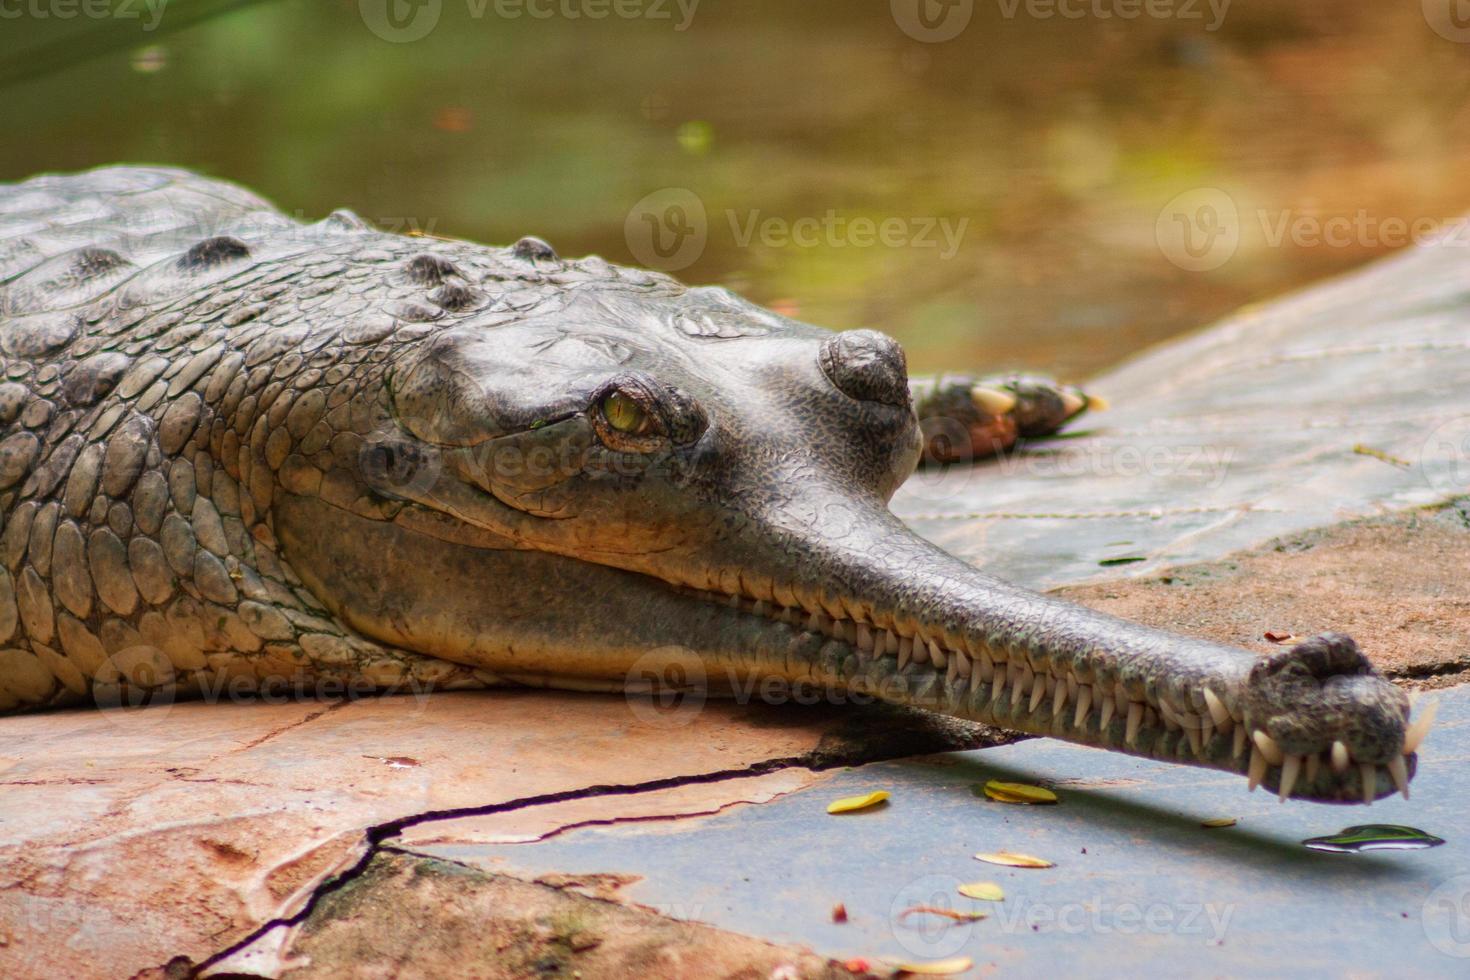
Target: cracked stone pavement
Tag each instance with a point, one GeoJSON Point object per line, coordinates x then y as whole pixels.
{"type": "Point", "coordinates": [184, 833]}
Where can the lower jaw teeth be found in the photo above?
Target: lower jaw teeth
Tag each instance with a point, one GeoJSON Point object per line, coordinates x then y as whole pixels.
{"type": "Point", "coordinates": [1025, 685]}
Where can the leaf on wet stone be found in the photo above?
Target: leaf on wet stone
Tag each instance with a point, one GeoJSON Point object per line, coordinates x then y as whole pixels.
{"type": "Point", "coordinates": [983, 891]}
{"type": "Point", "coordinates": [1011, 859]}
{"type": "Point", "coordinates": [1215, 822]}
{"type": "Point", "coordinates": [936, 968]}
{"type": "Point", "coordinates": [1374, 837]}
{"type": "Point", "coordinates": [849, 804]}
{"type": "Point", "coordinates": [1004, 792]}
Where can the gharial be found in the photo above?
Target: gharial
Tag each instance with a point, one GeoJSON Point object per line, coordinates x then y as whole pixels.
{"type": "Point", "coordinates": [243, 450]}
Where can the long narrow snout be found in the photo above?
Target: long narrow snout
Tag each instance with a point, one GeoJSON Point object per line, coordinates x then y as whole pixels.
{"type": "Point", "coordinates": [864, 604]}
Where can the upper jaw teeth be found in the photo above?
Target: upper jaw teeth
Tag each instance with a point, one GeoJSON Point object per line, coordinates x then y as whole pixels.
{"type": "Point", "coordinates": [1014, 681]}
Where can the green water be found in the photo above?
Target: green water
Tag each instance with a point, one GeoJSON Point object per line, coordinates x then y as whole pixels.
{"type": "Point", "coordinates": [999, 198]}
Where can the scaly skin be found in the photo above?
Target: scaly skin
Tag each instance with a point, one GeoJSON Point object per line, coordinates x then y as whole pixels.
{"type": "Point", "coordinates": [245, 453]}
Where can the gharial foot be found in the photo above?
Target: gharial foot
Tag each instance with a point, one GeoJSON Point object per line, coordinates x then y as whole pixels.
{"type": "Point", "coordinates": [965, 417]}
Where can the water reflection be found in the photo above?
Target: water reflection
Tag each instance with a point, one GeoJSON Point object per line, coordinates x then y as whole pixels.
{"type": "Point", "coordinates": [1036, 189]}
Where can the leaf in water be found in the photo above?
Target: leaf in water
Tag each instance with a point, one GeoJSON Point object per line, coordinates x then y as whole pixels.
{"type": "Point", "coordinates": [1110, 562]}
{"type": "Point", "coordinates": [936, 968]}
{"type": "Point", "coordinates": [1003, 792]}
{"type": "Point", "coordinates": [1375, 837]}
{"type": "Point", "coordinates": [1214, 822]}
{"type": "Point", "coordinates": [1010, 859]}
{"type": "Point", "coordinates": [947, 913]}
{"type": "Point", "coordinates": [850, 803]}
{"type": "Point", "coordinates": [983, 891]}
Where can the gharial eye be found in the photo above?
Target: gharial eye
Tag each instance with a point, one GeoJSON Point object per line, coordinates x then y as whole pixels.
{"type": "Point", "coordinates": [626, 415]}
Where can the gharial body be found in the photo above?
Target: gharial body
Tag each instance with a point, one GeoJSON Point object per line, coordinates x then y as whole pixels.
{"type": "Point", "coordinates": [243, 452]}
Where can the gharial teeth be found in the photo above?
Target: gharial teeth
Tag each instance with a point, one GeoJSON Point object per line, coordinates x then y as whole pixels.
{"type": "Point", "coordinates": [905, 652]}
{"type": "Point", "coordinates": [1268, 746]}
{"type": "Point", "coordinates": [1398, 771]}
{"type": "Point", "coordinates": [1420, 727]}
{"type": "Point", "coordinates": [1340, 757]}
{"type": "Point", "coordinates": [1239, 744]}
{"type": "Point", "coordinates": [1218, 711]}
{"type": "Point", "coordinates": [936, 655]}
{"type": "Point", "coordinates": [1020, 685]}
{"type": "Point", "coordinates": [1369, 774]}
{"type": "Point", "coordinates": [1257, 770]}
{"type": "Point", "coordinates": [1289, 769]}
{"type": "Point", "coordinates": [1038, 691]}
{"type": "Point", "coordinates": [1059, 699]}
{"type": "Point", "coordinates": [1135, 720]}
{"type": "Point", "coordinates": [1108, 704]}
{"type": "Point", "coordinates": [1084, 704]}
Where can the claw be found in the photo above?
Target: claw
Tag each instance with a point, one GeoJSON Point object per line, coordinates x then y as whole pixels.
{"type": "Point", "coordinates": [1097, 403]}
{"type": "Point", "coordinates": [992, 400]}
{"type": "Point", "coordinates": [1073, 403]}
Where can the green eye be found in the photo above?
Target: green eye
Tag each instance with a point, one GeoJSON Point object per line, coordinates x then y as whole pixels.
{"type": "Point", "coordinates": [625, 415]}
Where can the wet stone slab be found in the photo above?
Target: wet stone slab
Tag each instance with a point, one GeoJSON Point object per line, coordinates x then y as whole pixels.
{"type": "Point", "coordinates": [1344, 401]}
{"type": "Point", "coordinates": [1139, 886]}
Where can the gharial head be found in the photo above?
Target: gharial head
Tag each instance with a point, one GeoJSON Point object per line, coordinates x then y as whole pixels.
{"type": "Point", "coordinates": [552, 493]}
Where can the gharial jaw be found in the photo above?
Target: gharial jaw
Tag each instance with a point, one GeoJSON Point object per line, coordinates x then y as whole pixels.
{"type": "Point", "coordinates": [1314, 721]}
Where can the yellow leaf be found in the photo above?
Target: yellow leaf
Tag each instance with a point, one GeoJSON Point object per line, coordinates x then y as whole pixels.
{"type": "Point", "coordinates": [850, 803]}
{"type": "Point", "coordinates": [1011, 860]}
{"type": "Point", "coordinates": [936, 968]}
{"type": "Point", "coordinates": [1018, 793]}
{"type": "Point", "coordinates": [984, 891]}
{"type": "Point", "coordinates": [1218, 822]}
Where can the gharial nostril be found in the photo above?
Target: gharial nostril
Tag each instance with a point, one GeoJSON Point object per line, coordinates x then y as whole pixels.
{"type": "Point", "coordinates": [867, 365]}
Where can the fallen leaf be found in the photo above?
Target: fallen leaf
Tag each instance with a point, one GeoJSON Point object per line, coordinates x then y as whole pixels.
{"type": "Point", "coordinates": [1003, 792]}
{"type": "Point", "coordinates": [1214, 822]}
{"type": "Point", "coordinates": [984, 891]}
{"type": "Point", "coordinates": [936, 968]}
{"type": "Point", "coordinates": [947, 913]}
{"type": "Point", "coordinates": [850, 803]}
{"type": "Point", "coordinates": [839, 912]}
{"type": "Point", "coordinates": [1009, 859]}
{"type": "Point", "coordinates": [857, 965]}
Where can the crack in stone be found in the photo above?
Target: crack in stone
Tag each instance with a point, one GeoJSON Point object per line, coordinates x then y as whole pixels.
{"type": "Point", "coordinates": [378, 834]}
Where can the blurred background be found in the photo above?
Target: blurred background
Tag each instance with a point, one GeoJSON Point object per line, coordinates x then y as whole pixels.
{"type": "Point", "coordinates": [1041, 183]}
